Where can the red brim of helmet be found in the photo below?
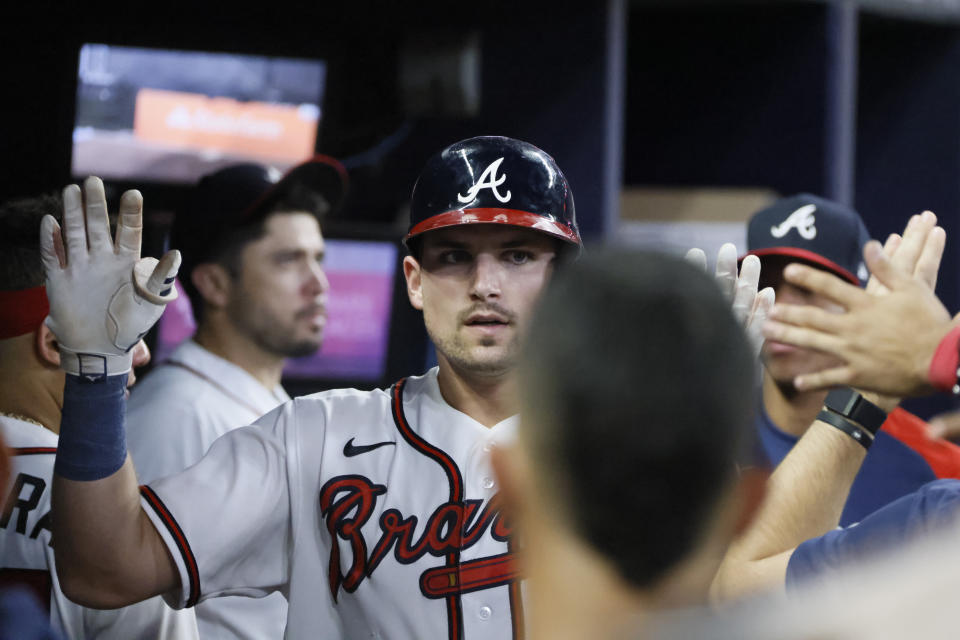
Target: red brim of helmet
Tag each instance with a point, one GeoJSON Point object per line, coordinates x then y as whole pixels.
{"type": "Point", "coordinates": [511, 217]}
{"type": "Point", "coordinates": [806, 256]}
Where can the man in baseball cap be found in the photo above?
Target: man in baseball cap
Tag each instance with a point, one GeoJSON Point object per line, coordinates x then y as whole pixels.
{"type": "Point", "coordinates": [252, 269]}
{"type": "Point", "coordinates": [830, 236]}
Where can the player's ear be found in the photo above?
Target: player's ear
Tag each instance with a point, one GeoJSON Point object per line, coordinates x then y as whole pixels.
{"type": "Point", "coordinates": [751, 490]}
{"type": "Point", "coordinates": [213, 282]}
{"type": "Point", "coordinates": [411, 271]}
{"type": "Point", "coordinates": [45, 344]}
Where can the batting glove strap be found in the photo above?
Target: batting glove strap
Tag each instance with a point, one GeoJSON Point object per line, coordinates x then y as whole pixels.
{"type": "Point", "coordinates": [94, 367]}
{"type": "Point", "coordinates": [855, 431]}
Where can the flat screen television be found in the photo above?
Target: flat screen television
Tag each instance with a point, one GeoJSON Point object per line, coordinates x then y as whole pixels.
{"type": "Point", "coordinates": [363, 279]}
{"type": "Point", "coordinates": [168, 116]}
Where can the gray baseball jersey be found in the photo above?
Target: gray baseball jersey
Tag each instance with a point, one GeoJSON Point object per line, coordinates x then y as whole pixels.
{"type": "Point", "coordinates": [375, 513]}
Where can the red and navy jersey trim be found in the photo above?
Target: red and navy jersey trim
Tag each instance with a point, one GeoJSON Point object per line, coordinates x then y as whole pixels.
{"type": "Point", "coordinates": [516, 599]}
{"type": "Point", "coordinates": [193, 572]}
{"type": "Point", "coordinates": [33, 451]}
{"type": "Point", "coordinates": [455, 478]}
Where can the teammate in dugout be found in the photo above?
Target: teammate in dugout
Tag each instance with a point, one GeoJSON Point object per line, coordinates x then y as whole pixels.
{"type": "Point", "coordinates": [252, 268]}
{"type": "Point", "coordinates": [31, 394]}
{"type": "Point", "coordinates": [609, 445]}
{"type": "Point", "coordinates": [829, 236]}
{"type": "Point", "coordinates": [809, 545]}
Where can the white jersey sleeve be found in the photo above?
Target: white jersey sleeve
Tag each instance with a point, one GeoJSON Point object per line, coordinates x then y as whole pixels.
{"type": "Point", "coordinates": [241, 486]}
{"type": "Point", "coordinates": [26, 554]}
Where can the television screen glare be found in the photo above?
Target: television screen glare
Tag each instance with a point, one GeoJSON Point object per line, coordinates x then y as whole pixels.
{"type": "Point", "coordinates": [172, 116]}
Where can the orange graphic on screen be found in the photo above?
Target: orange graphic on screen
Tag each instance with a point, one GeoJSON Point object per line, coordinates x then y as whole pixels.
{"type": "Point", "coordinates": [278, 131]}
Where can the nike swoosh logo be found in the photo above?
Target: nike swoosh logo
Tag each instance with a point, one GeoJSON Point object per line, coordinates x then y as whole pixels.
{"type": "Point", "coordinates": [350, 450]}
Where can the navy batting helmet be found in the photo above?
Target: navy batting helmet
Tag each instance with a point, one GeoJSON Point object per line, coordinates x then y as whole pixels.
{"type": "Point", "coordinates": [493, 180]}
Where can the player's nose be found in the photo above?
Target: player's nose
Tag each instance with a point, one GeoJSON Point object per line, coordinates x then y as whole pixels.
{"type": "Point", "coordinates": [317, 281]}
{"type": "Point", "coordinates": [487, 276]}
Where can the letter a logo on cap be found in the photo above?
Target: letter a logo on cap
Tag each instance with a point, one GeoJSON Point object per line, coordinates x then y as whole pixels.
{"type": "Point", "coordinates": [488, 180]}
{"type": "Point", "coordinates": [802, 220]}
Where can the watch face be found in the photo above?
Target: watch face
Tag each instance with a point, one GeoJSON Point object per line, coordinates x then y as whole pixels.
{"type": "Point", "coordinates": [854, 406]}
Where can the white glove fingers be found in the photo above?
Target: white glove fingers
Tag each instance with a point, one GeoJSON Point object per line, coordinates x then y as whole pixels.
{"type": "Point", "coordinates": [98, 221]}
{"type": "Point", "coordinates": [51, 246]}
{"type": "Point", "coordinates": [161, 280]}
{"type": "Point", "coordinates": [747, 284]}
{"type": "Point", "coordinates": [765, 301]}
{"type": "Point", "coordinates": [130, 223]}
{"type": "Point", "coordinates": [75, 233]}
{"type": "Point", "coordinates": [697, 258]}
{"type": "Point", "coordinates": [727, 270]}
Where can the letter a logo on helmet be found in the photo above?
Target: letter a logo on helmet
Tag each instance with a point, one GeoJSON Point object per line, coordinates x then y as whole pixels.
{"type": "Point", "coordinates": [488, 180]}
{"type": "Point", "coordinates": [475, 172]}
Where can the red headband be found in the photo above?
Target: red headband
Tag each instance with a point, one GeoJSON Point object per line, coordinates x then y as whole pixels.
{"type": "Point", "coordinates": [22, 311]}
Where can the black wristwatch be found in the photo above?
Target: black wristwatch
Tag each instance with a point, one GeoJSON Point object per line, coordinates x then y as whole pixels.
{"type": "Point", "coordinates": [853, 406]}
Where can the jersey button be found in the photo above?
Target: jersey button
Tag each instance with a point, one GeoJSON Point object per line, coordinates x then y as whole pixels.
{"type": "Point", "coordinates": [485, 613]}
{"type": "Point", "coordinates": [487, 482]}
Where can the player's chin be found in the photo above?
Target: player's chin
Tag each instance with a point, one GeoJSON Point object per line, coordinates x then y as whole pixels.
{"type": "Point", "coordinates": [306, 346]}
{"type": "Point", "coordinates": [492, 359]}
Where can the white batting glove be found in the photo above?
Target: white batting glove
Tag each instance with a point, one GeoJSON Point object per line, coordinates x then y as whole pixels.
{"type": "Point", "coordinates": [750, 307]}
{"type": "Point", "coordinates": [103, 296]}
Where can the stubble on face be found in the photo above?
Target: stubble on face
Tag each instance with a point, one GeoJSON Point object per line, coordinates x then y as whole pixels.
{"type": "Point", "coordinates": [271, 332]}
{"type": "Point", "coordinates": [483, 355]}
{"type": "Point", "coordinates": [274, 274]}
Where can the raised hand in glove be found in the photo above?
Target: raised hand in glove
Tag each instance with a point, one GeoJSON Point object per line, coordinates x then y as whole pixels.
{"type": "Point", "coordinates": [103, 296]}
{"type": "Point", "coordinates": [740, 287]}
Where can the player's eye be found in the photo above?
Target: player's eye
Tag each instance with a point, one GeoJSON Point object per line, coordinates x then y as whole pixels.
{"type": "Point", "coordinates": [285, 258]}
{"type": "Point", "coordinates": [453, 256]}
{"type": "Point", "coordinates": [519, 256]}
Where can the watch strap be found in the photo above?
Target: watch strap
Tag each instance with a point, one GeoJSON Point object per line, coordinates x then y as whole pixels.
{"type": "Point", "coordinates": [862, 436]}
{"type": "Point", "coordinates": [850, 404]}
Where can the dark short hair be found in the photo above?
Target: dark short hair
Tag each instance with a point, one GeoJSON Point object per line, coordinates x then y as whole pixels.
{"type": "Point", "coordinates": [229, 246]}
{"type": "Point", "coordinates": [638, 391]}
{"type": "Point", "coordinates": [20, 264]}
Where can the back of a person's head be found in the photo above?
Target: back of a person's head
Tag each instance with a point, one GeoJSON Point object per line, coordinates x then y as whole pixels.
{"type": "Point", "coordinates": [638, 384]}
{"type": "Point", "coordinates": [20, 265]}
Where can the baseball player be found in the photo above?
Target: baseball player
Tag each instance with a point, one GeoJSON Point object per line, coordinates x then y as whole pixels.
{"type": "Point", "coordinates": [795, 534]}
{"type": "Point", "coordinates": [808, 229]}
{"type": "Point", "coordinates": [31, 392]}
{"type": "Point", "coordinates": [252, 268]}
{"type": "Point", "coordinates": [375, 513]}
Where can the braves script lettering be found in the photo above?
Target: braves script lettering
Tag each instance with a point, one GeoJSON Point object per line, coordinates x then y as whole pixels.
{"type": "Point", "coordinates": [802, 220]}
{"type": "Point", "coordinates": [488, 180]}
{"type": "Point", "coordinates": [347, 502]}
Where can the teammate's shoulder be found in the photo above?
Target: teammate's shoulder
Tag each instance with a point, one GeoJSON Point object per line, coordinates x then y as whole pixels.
{"type": "Point", "coordinates": [21, 433]}
{"type": "Point", "coordinates": [165, 384]}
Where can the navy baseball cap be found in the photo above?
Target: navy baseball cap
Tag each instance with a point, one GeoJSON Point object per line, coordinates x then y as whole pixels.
{"type": "Point", "coordinates": [241, 194]}
{"type": "Point", "coordinates": [811, 229]}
